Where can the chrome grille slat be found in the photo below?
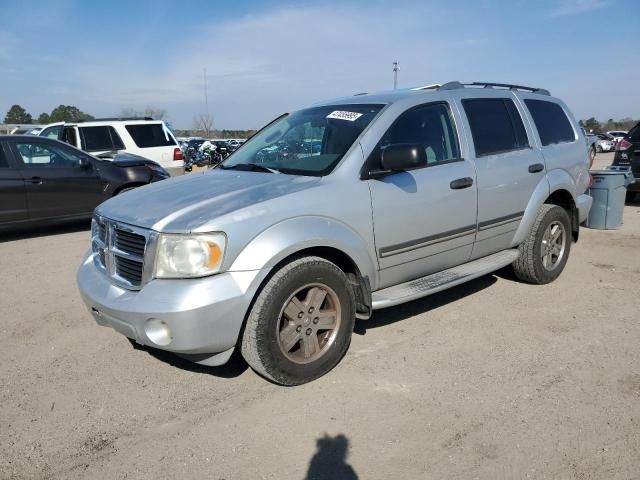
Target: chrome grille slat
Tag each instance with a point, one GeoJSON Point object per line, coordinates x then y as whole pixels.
{"type": "Point", "coordinates": [120, 252]}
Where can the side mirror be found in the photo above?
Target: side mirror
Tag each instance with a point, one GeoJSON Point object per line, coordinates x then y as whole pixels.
{"type": "Point", "coordinates": [84, 163]}
{"type": "Point", "coordinates": [399, 157]}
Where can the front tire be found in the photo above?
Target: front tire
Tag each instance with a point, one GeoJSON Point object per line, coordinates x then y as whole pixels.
{"type": "Point", "coordinates": [545, 251]}
{"type": "Point", "coordinates": [301, 322]}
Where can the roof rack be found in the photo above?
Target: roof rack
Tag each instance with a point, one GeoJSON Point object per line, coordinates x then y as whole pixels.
{"type": "Point", "coordinates": [458, 85]}
{"type": "Point", "coordinates": [113, 119]}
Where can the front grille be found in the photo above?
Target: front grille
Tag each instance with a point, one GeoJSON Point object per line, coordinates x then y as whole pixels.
{"type": "Point", "coordinates": [130, 270]}
{"type": "Point", "coordinates": [120, 251]}
{"type": "Point", "coordinates": [129, 242]}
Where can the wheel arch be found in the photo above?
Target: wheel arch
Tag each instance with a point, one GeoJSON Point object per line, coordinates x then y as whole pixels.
{"type": "Point", "coordinates": [127, 185]}
{"type": "Point", "coordinates": [557, 187]}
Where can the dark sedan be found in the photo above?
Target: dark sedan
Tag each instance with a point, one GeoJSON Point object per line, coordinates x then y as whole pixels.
{"type": "Point", "coordinates": [44, 180]}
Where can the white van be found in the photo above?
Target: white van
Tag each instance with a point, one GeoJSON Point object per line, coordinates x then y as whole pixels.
{"type": "Point", "coordinates": [145, 137]}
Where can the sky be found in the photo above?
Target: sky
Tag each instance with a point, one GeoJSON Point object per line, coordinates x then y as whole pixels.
{"type": "Point", "coordinates": [264, 58]}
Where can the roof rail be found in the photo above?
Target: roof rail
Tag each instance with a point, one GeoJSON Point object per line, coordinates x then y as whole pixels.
{"type": "Point", "coordinates": [113, 119]}
{"type": "Point", "coordinates": [509, 86]}
{"type": "Point", "coordinates": [435, 86]}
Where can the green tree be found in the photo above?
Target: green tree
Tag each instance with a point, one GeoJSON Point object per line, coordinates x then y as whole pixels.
{"type": "Point", "coordinates": [17, 114]}
{"type": "Point", "coordinates": [591, 124]}
{"type": "Point", "coordinates": [68, 113]}
{"type": "Point", "coordinates": [43, 119]}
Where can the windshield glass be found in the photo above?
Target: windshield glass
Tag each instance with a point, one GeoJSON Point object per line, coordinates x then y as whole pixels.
{"type": "Point", "coordinates": [308, 142]}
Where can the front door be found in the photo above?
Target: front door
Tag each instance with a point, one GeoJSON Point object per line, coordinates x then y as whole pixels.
{"type": "Point", "coordinates": [56, 183]}
{"type": "Point", "coordinates": [13, 197]}
{"type": "Point", "coordinates": [425, 219]}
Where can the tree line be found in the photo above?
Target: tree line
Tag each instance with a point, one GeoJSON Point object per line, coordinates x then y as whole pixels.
{"type": "Point", "coordinates": [62, 113]}
{"type": "Point", "coordinates": [591, 124]}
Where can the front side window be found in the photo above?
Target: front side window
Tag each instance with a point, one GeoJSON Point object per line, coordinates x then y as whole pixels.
{"type": "Point", "coordinates": [307, 142]}
{"type": "Point", "coordinates": [551, 121]}
{"type": "Point", "coordinates": [100, 138]}
{"type": "Point", "coordinates": [426, 125]}
{"type": "Point", "coordinates": [496, 125]}
{"type": "Point", "coordinates": [150, 135]}
{"type": "Point", "coordinates": [38, 155]}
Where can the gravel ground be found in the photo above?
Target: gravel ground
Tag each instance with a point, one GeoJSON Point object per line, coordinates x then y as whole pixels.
{"type": "Point", "coordinates": [494, 379]}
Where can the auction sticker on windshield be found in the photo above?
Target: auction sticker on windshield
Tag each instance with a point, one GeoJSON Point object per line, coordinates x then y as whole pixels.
{"type": "Point", "coordinates": [340, 115]}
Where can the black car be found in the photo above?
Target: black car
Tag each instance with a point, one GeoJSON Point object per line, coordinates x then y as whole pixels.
{"type": "Point", "coordinates": [628, 155]}
{"type": "Point", "coordinates": [44, 180]}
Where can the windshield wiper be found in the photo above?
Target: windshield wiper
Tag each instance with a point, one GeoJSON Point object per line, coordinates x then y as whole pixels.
{"type": "Point", "coordinates": [253, 167]}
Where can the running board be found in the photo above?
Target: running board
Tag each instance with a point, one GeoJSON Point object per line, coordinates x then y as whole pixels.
{"type": "Point", "coordinates": [421, 287]}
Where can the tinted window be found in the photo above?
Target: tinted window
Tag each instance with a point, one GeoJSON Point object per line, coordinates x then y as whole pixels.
{"type": "Point", "coordinates": [100, 138]}
{"type": "Point", "coordinates": [3, 159]}
{"type": "Point", "coordinates": [634, 133]}
{"type": "Point", "coordinates": [551, 121]}
{"type": "Point", "coordinates": [150, 135]}
{"type": "Point", "coordinates": [496, 125]}
{"type": "Point", "coordinates": [429, 126]}
{"type": "Point", "coordinates": [39, 155]}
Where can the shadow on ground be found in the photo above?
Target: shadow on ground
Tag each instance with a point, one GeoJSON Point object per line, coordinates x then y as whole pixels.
{"type": "Point", "coordinates": [390, 315]}
{"type": "Point", "coordinates": [41, 231]}
{"type": "Point", "coordinates": [330, 460]}
{"type": "Point", "coordinates": [232, 369]}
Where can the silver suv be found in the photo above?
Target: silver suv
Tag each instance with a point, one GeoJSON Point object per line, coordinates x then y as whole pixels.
{"type": "Point", "coordinates": [337, 210]}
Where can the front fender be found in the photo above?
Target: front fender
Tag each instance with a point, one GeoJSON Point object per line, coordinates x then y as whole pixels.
{"type": "Point", "coordinates": [554, 180]}
{"type": "Point", "coordinates": [293, 235]}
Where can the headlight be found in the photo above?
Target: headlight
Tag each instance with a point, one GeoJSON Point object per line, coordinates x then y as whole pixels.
{"type": "Point", "coordinates": [188, 256]}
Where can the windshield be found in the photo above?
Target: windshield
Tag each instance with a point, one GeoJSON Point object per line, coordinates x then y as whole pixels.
{"type": "Point", "coordinates": [307, 142]}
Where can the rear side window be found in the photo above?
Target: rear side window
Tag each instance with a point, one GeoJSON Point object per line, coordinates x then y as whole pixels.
{"type": "Point", "coordinates": [100, 138]}
{"type": "Point", "coordinates": [496, 125]}
{"type": "Point", "coordinates": [150, 135]}
{"type": "Point", "coordinates": [551, 121]}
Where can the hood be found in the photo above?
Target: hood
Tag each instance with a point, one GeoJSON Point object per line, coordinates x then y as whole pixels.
{"type": "Point", "coordinates": [125, 159]}
{"type": "Point", "coordinates": [182, 204]}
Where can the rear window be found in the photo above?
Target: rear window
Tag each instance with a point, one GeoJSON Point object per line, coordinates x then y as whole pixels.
{"type": "Point", "coordinates": [100, 138]}
{"type": "Point", "coordinates": [150, 135]}
{"type": "Point", "coordinates": [551, 121]}
{"type": "Point", "coordinates": [634, 133]}
{"type": "Point", "coordinates": [496, 125]}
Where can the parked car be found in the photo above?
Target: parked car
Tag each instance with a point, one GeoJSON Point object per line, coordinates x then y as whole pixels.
{"type": "Point", "coordinates": [605, 143]}
{"type": "Point", "coordinates": [412, 192]}
{"type": "Point", "coordinates": [592, 141]}
{"type": "Point", "coordinates": [617, 135]}
{"type": "Point", "coordinates": [628, 155]}
{"type": "Point", "coordinates": [145, 137]}
{"type": "Point", "coordinates": [44, 180]}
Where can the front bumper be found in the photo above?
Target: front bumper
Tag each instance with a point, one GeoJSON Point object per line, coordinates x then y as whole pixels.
{"type": "Point", "coordinates": [203, 316]}
{"type": "Point", "coordinates": [583, 202]}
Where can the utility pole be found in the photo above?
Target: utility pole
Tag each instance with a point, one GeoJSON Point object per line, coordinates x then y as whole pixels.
{"type": "Point", "coordinates": [395, 75]}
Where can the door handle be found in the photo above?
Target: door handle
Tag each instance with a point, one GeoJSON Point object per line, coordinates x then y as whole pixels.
{"type": "Point", "coordinates": [461, 183]}
{"type": "Point", "coordinates": [36, 180]}
{"type": "Point", "coordinates": [536, 167]}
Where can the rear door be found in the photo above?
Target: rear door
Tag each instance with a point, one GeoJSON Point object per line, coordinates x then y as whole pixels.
{"type": "Point", "coordinates": [153, 141]}
{"type": "Point", "coordinates": [13, 197]}
{"type": "Point", "coordinates": [508, 168]}
{"type": "Point", "coordinates": [55, 182]}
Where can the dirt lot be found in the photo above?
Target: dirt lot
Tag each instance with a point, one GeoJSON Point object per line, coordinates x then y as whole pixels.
{"type": "Point", "coordinates": [495, 379]}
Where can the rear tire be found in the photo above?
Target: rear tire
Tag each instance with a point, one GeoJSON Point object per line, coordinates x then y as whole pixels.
{"type": "Point", "coordinates": [598, 149]}
{"type": "Point", "coordinates": [301, 322]}
{"type": "Point", "coordinates": [545, 251]}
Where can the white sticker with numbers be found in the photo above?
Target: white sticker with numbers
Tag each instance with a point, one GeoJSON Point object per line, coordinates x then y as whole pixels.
{"type": "Point", "coordinates": [340, 115]}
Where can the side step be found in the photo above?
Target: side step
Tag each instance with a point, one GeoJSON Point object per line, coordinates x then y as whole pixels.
{"type": "Point", "coordinates": [421, 287]}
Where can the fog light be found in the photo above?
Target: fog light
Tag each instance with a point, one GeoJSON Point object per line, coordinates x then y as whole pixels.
{"type": "Point", "coordinates": [158, 332]}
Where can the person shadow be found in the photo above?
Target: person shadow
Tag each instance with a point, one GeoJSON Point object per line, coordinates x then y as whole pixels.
{"type": "Point", "coordinates": [329, 462]}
